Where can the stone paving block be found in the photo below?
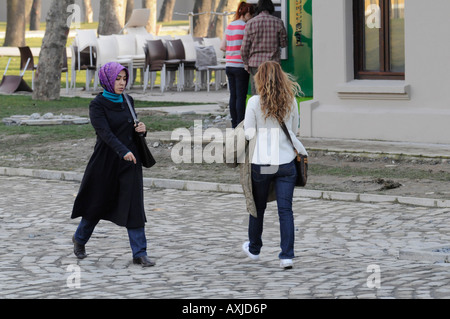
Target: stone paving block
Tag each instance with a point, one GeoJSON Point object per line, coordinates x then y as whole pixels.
{"type": "Point", "coordinates": [195, 237]}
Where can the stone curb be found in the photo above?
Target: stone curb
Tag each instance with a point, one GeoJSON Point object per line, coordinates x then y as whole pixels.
{"type": "Point", "coordinates": [187, 185]}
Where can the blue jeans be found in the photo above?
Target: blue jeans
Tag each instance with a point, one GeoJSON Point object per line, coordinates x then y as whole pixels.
{"type": "Point", "coordinates": [284, 179]}
{"type": "Point", "coordinates": [138, 241]}
{"type": "Point", "coordinates": [238, 83]}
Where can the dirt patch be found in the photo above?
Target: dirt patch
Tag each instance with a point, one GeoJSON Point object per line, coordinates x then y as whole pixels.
{"type": "Point", "coordinates": [333, 172]}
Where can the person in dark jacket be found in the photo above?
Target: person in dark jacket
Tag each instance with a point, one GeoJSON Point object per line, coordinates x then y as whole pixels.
{"type": "Point", "coordinates": [112, 186]}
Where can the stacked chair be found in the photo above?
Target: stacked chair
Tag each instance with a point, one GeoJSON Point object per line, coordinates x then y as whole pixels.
{"type": "Point", "coordinates": [84, 55]}
{"type": "Point", "coordinates": [108, 51]}
{"type": "Point", "coordinates": [155, 57]}
{"type": "Point", "coordinates": [219, 68]}
{"type": "Point", "coordinates": [176, 59]}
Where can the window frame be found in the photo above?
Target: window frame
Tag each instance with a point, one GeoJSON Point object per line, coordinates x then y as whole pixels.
{"type": "Point", "coordinates": [359, 21]}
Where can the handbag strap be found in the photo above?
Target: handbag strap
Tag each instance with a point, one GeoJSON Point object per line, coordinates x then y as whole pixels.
{"type": "Point", "coordinates": [136, 121]}
{"type": "Point", "coordinates": [131, 109]}
{"type": "Point", "coordinates": [285, 130]}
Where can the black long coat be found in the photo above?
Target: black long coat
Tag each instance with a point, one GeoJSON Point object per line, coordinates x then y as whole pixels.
{"type": "Point", "coordinates": [112, 188]}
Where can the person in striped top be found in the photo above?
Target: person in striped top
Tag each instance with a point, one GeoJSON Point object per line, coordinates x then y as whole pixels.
{"type": "Point", "coordinates": [238, 77]}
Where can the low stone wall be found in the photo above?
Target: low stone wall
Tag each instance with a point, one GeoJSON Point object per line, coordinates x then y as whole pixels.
{"type": "Point", "coordinates": [46, 119]}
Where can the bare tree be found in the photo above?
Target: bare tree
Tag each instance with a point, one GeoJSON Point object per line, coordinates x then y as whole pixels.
{"type": "Point", "coordinates": [35, 15]}
{"type": "Point", "coordinates": [112, 16]}
{"type": "Point", "coordinates": [88, 13]}
{"type": "Point", "coordinates": [15, 25]}
{"type": "Point", "coordinates": [166, 13]}
{"type": "Point", "coordinates": [48, 73]}
{"type": "Point", "coordinates": [201, 22]}
{"type": "Point", "coordinates": [151, 24]}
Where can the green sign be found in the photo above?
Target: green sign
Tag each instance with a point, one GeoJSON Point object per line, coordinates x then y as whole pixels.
{"type": "Point", "coordinates": [300, 52]}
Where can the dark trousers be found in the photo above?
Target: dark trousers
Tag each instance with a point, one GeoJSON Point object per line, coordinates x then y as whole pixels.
{"type": "Point", "coordinates": [284, 178]}
{"type": "Point", "coordinates": [238, 80]}
{"type": "Point", "coordinates": [138, 241]}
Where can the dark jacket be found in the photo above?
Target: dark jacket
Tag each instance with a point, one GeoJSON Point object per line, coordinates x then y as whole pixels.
{"type": "Point", "coordinates": [112, 188]}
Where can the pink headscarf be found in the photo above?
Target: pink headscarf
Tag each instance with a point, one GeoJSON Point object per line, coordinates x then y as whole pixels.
{"type": "Point", "coordinates": [108, 74]}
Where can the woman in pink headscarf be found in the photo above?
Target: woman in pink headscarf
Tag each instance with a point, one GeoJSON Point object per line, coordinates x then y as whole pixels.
{"type": "Point", "coordinates": [112, 186]}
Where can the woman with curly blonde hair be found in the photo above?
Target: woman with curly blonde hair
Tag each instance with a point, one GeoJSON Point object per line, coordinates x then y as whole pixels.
{"type": "Point", "coordinates": [272, 162]}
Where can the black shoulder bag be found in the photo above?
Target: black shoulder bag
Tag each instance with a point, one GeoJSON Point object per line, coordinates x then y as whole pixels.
{"type": "Point", "coordinates": [146, 156]}
{"type": "Point", "coordinates": [301, 161]}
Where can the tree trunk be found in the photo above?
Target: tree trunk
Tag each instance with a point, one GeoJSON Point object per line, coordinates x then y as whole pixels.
{"type": "Point", "coordinates": [15, 25]}
{"type": "Point", "coordinates": [129, 11]}
{"type": "Point", "coordinates": [166, 13]}
{"type": "Point", "coordinates": [28, 5]}
{"type": "Point", "coordinates": [112, 16]}
{"type": "Point", "coordinates": [88, 13]}
{"type": "Point", "coordinates": [35, 15]}
{"type": "Point", "coordinates": [211, 17]}
{"type": "Point", "coordinates": [151, 24]}
{"type": "Point", "coordinates": [48, 73]}
{"type": "Point", "coordinates": [201, 22]}
{"type": "Point", "coordinates": [216, 29]}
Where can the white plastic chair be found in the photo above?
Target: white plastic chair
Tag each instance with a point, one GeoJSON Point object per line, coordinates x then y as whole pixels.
{"type": "Point", "coordinates": [220, 67]}
{"type": "Point", "coordinates": [127, 50]}
{"type": "Point", "coordinates": [163, 38]}
{"type": "Point", "coordinates": [85, 40]}
{"type": "Point", "coordinates": [137, 31]}
{"type": "Point", "coordinates": [215, 42]}
{"type": "Point", "coordinates": [137, 22]}
{"type": "Point", "coordinates": [108, 51]}
{"type": "Point", "coordinates": [190, 58]}
{"type": "Point", "coordinates": [141, 42]}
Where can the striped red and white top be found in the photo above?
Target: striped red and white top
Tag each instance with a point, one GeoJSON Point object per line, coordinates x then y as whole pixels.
{"type": "Point", "coordinates": [234, 36]}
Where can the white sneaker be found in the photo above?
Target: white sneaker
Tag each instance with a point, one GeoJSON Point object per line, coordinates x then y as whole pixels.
{"type": "Point", "coordinates": [286, 263]}
{"type": "Point", "coordinates": [247, 251]}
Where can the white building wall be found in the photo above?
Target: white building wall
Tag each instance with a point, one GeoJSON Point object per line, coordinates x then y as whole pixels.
{"type": "Point", "coordinates": [414, 110]}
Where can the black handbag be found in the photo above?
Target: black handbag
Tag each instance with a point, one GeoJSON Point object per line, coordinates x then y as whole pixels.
{"type": "Point", "coordinates": [145, 155]}
{"type": "Point", "coordinates": [301, 161]}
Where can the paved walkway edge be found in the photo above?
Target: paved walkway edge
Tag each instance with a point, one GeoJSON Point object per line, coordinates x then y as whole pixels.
{"type": "Point", "coordinates": [235, 188]}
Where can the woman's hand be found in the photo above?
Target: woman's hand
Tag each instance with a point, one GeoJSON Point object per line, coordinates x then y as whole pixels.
{"type": "Point", "coordinates": [140, 128]}
{"type": "Point", "coordinates": [129, 157]}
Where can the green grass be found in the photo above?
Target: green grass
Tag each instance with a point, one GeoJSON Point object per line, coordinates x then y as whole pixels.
{"type": "Point", "coordinates": [24, 105]}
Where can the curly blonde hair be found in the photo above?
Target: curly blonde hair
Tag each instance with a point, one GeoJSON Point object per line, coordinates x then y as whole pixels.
{"type": "Point", "coordinates": [277, 90]}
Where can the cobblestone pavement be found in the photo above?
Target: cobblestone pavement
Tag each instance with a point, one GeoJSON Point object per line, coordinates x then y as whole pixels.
{"type": "Point", "coordinates": [343, 249]}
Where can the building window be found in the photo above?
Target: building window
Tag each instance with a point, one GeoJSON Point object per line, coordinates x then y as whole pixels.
{"type": "Point", "coordinates": [379, 35]}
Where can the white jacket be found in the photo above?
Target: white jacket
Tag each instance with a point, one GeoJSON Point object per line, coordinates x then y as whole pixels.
{"type": "Point", "coordinates": [272, 144]}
